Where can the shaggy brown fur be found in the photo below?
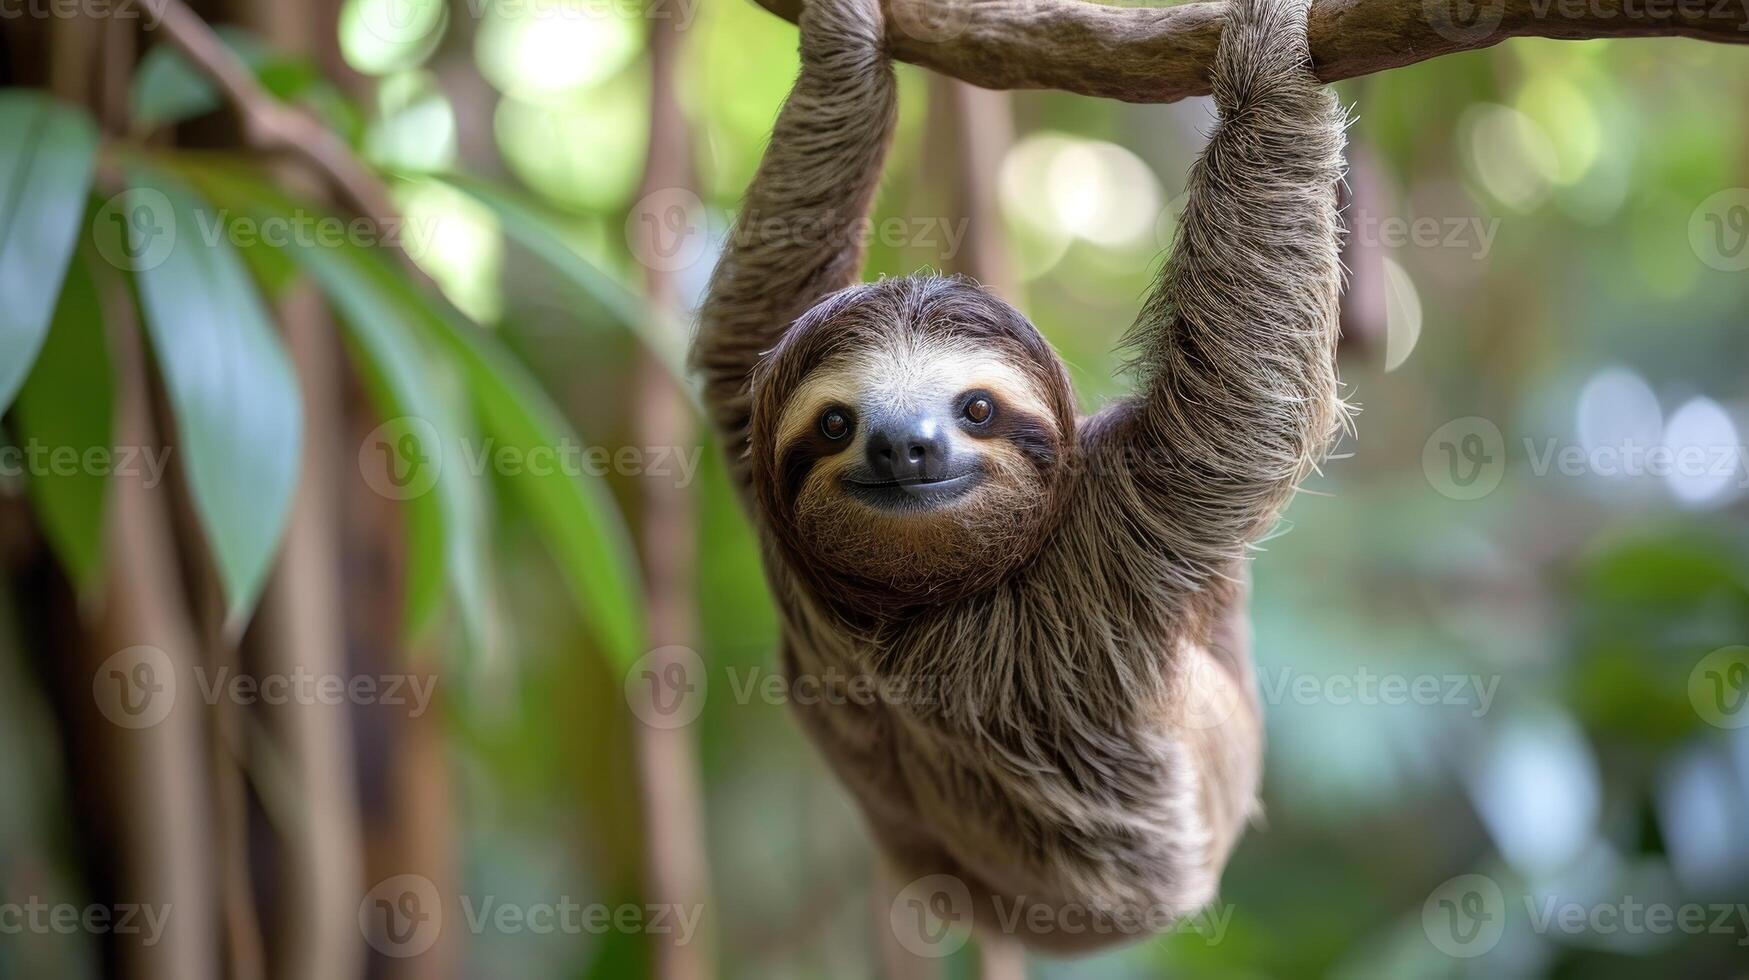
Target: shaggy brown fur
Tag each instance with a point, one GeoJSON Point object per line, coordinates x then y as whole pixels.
{"type": "Point", "coordinates": [1067, 717]}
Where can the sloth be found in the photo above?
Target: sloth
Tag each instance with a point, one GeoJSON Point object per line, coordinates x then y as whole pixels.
{"type": "Point", "coordinates": [1051, 607]}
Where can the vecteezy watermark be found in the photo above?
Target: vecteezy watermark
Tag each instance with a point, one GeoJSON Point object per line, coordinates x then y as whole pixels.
{"type": "Point", "coordinates": [1471, 21]}
{"type": "Point", "coordinates": [137, 688]}
{"type": "Point", "coordinates": [1718, 687]}
{"type": "Point", "coordinates": [399, 22]}
{"type": "Point", "coordinates": [37, 459]}
{"type": "Point", "coordinates": [1627, 915]}
{"type": "Point", "coordinates": [933, 916]}
{"type": "Point", "coordinates": [405, 22]}
{"type": "Point", "coordinates": [137, 230]}
{"type": "Point", "coordinates": [1212, 698]}
{"type": "Point", "coordinates": [666, 688]}
{"type": "Point", "coordinates": [545, 10]}
{"type": "Point", "coordinates": [305, 229]}
{"type": "Point", "coordinates": [403, 916]}
{"type": "Point", "coordinates": [932, 23]}
{"type": "Point", "coordinates": [35, 916]}
{"type": "Point", "coordinates": [147, 12]}
{"type": "Point", "coordinates": [1466, 233]}
{"type": "Point", "coordinates": [670, 229]}
{"type": "Point", "coordinates": [306, 687]}
{"type": "Point", "coordinates": [1718, 230]}
{"type": "Point", "coordinates": [403, 458]}
{"type": "Point", "coordinates": [1465, 459]}
{"type": "Point", "coordinates": [1464, 21]}
{"type": "Point", "coordinates": [1466, 916]}
{"type": "Point", "coordinates": [1367, 688]}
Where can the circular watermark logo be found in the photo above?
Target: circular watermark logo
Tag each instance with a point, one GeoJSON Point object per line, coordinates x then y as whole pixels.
{"type": "Point", "coordinates": [1464, 21]}
{"type": "Point", "coordinates": [1465, 458]}
{"type": "Point", "coordinates": [666, 687]}
{"type": "Point", "coordinates": [400, 22]}
{"type": "Point", "coordinates": [932, 916]}
{"type": "Point", "coordinates": [1465, 917]}
{"type": "Point", "coordinates": [668, 230]}
{"type": "Point", "coordinates": [135, 230]}
{"type": "Point", "coordinates": [135, 687]}
{"type": "Point", "coordinates": [1718, 687]}
{"type": "Point", "coordinates": [1718, 230]}
{"type": "Point", "coordinates": [1210, 695]}
{"type": "Point", "coordinates": [931, 23]}
{"type": "Point", "coordinates": [402, 916]}
{"type": "Point", "coordinates": [402, 458]}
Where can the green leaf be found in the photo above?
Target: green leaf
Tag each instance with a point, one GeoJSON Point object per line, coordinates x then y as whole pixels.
{"type": "Point", "coordinates": [166, 90]}
{"type": "Point", "coordinates": [239, 416]}
{"type": "Point", "coordinates": [429, 562]}
{"type": "Point", "coordinates": [445, 524]}
{"type": "Point", "coordinates": [584, 530]}
{"type": "Point", "coordinates": [537, 229]}
{"type": "Point", "coordinates": [45, 172]}
{"type": "Point", "coordinates": [66, 409]}
{"type": "Point", "coordinates": [452, 531]}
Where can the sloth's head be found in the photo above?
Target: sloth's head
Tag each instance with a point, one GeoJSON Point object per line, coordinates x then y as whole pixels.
{"type": "Point", "coordinates": [908, 438]}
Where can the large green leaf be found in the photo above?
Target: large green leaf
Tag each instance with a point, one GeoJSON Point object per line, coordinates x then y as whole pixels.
{"type": "Point", "coordinates": [401, 374]}
{"type": "Point", "coordinates": [445, 518]}
{"type": "Point", "coordinates": [167, 90]}
{"type": "Point", "coordinates": [537, 229]}
{"type": "Point", "coordinates": [65, 411]}
{"type": "Point", "coordinates": [239, 417]}
{"type": "Point", "coordinates": [584, 529]}
{"type": "Point", "coordinates": [45, 170]}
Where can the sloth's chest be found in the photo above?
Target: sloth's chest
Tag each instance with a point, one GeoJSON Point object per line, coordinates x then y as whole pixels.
{"type": "Point", "coordinates": [970, 715]}
{"type": "Point", "coordinates": [942, 796]}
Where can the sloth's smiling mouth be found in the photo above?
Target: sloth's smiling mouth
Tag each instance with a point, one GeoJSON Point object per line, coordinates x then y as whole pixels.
{"type": "Point", "coordinates": [912, 494]}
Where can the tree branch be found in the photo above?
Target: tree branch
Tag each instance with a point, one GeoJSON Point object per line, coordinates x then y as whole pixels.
{"type": "Point", "coordinates": [676, 857]}
{"type": "Point", "coordinates": [1163, 54]}
{"type": "Point", "coordinates": [269, 123]}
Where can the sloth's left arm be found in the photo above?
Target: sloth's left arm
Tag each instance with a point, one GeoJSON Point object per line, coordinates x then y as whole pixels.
{"type": "Point", "coordinates": [799, 237]}
{"type": "Point", "coordinates": [1238, 399]}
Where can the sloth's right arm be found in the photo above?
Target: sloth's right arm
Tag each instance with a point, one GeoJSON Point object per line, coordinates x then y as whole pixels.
{"type": "Point", "coordinates": [1238, 398]}
{"type": "Point", "coordinates": [800, 232]}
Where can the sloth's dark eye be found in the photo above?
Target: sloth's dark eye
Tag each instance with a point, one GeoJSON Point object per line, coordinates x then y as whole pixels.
{"type": "Point", "coordinates": [979, 409]}
{"type": "Point", "coordinates": [834, 424]}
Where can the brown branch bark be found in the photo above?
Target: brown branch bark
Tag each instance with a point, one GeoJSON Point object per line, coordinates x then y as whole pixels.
{"type": "Point", "coordinates": [301, 627]}
{"type": "Point", "coordinates": [676, 861]}
{"type": "Point", "coordinates": [269, 123]}
{"type": "Point", "coordinates": [1163, 54]}
{"type": "Point", "coordinates": [968, 132]}
{"type": "Point", "coordinates": [164, 788]}
{"type": "Point", "coordinates": [319, 862]}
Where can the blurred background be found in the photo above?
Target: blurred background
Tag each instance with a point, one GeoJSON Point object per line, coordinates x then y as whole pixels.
{"type": "Point", "coordinates": [375, 604]}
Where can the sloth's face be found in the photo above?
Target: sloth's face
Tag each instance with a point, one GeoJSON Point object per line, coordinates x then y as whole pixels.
{"type": "Point", "coordinates": [918, 459]}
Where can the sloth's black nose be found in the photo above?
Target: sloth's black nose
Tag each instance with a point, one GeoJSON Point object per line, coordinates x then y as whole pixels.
{"type": "Point", "coordinates": [907, 450]}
